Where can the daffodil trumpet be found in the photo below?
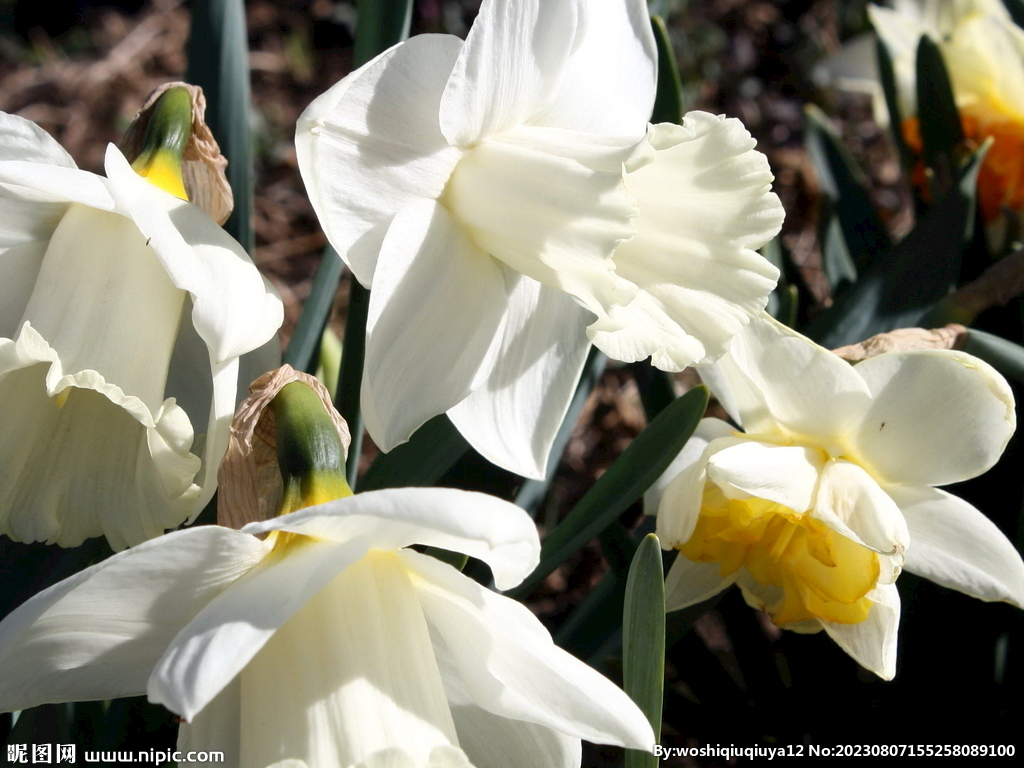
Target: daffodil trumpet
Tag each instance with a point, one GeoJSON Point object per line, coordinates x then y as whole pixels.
{"type": "Point", "coordinates": [317, 637]}
{"type": "Point", "coordinates": [123, 314]}
{"type": "Point", "coordinates": [830, 491]}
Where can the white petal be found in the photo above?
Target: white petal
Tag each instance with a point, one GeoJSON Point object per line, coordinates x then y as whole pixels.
{"type": "Point", "coordinates": [705, 205]}
{"type": "Point", "coordinates": [955, 545]}
{"type": "Point", "coordinates": [872, 642]}
{"type": "Point", "coordinates": [372, 144]}
{"type": "Point", "coordinates": [234, 309]}
{"type": "Point", "coordinates": [508, 70]}
{"type": "Point", "coordinates": [493, 741]}
{"type": "Point", "coordinates": [56, 184]}
{"type": "Point", "coordinates": [609, 81]}
{"type": "Point", "coordinates": [510, 667]}
{"type": "Point", "coordinates": [707, 430]}
{"type": "Point", "coordinates": [349, 676]}
{"type": "Point", "coordinates": [216, 728]}
{"type": "Point", "coordinates": [57, 487]}
{"type": "Point", "coordinates": [937, 417]}
{"type": "Point", "coordinates": [688, 582]}
{"type": "Point", "coordinates": [436, 311]}
{"type": "Point", "coordinates": [512, 419]}
{"type": "Point", "coordinates": [21, 139]}
{"type": "Point", "coordinates": [777, 379]}
{"type": "Point", "coordinates": [97, 634]}
{"type": "Point", "coordinates": [851, 502]}
{"type": "Point", "coordinates": [785, 474]}
{"type": "Point", "coordinates": [24, 220]}
{"type": "Point", "coordinates": [222, 638]}
{"type": "Point", "coordinates": [477, 524]}
{"type": "Point", "coordinates": [551, 205]}
{"type": "Point", "coordinates": [20, 266]}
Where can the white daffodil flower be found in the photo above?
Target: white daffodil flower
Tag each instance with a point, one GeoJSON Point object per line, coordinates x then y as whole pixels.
{"type": "Point", "coordinates": [123, 313]}
{"type": "Point", "coordinates": [830, 491]}
{"type": "Point", "coordinates": [984, 53]}
{"type": "Point", "coordinates": [328, 643]}
{"type": "Point", "coordinates": [509, 204]}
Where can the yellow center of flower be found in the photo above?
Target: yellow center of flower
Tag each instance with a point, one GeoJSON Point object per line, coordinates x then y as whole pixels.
{"type": "Point", "coordinates": [1001, 177]}
{"type": "Point", "coordinates": [819, 573]}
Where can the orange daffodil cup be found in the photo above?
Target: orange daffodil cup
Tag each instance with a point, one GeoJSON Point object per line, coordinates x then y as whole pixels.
{"type": "Point", "coordinates": [984, 53]}
{"type": "Point", "coordinates": [318, 638]}
{"type": "Point", "coordinates": [509, 204]}
{"type": "Point", "coordinates": [830, 489]}
{"type": "Point", "coordinates": [124, 310]}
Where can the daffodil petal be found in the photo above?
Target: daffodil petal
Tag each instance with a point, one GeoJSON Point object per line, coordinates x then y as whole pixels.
{"type": "Point", "coordinates": [431, 284]}
{"type": "Point", "coordinates": [493, 741]}
{"type": "Point", "coordinates": [476, 524]}
{"type": "Point", "coordinates": [97, 634]}
{"type": "Point", "coordinates": [234, 309]}
{"type": "Point", "coordinates": [872, 642]}
{"type": "Point", "coordinates": [955, 545]}
{"type": "Point", "coordinates": [223, 638]}
{"type": "Point", "coordinates": [608, 82]}
{"type": "Point", "coordinates": [21, 139]}
{"type": "Point", "coordinates": [56, 184]}
{"type": "Point", "coordinates": [705, 206]}
{"type": "Point", "coordinates": [778, 380]}
{"type": "Point", "coordinates": [936, 417]}
{"type": "Point", "coordinates": [372, 144]}
{"type": "Point", "coordinates": [852, 503]}
{"type": "Point", "coordinates": [21, 268]}
{"type": "Point", "coordinates": [510, 667]}
{"type": "Point", "coordinates": [374, 687]}
{"type": "Point", "coordinates": [707, 430]}
{"type": "Point", "coordinates": [785, 474]}
{"type": "Point", "coordinates": [512, 419]}
{"type": "Point", "coordinates": [216, 728]}
{"type": "Point", "coordinates": [688, 582]}
{"type": "Point", "coordinates": [508, 70]}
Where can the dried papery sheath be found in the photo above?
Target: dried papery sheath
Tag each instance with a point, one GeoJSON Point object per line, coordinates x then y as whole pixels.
{"type": "Point", "coordinates": [250, 478]}
{"type": "Point", "coordinates": [952, 336]}
{"type": "Point", "coordinates": [202, 164]}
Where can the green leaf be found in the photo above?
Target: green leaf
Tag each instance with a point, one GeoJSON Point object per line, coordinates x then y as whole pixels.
{"type": "Point", "coordinates": [1005, 356]}
{"type": "Point", "coordinates": [218, 62]}
{"type": "Point", "coordinates": [941, 132]}
{"type": "Point", "coordinates": [887, 75]}
{"type": "Point", "coordinates": [379, 25]}
{"type": "Point", "coordinates": [532, 492]}
{"type": "Point", "coordinates": [1016, 9]}
{"type": "Point", "coordinates": [350, 381]}
{"type": "Point", "coordinates": [668, 99]}
{"type": "Point", "coordinates": [866, 237]}
{"type": "Point", "coordinates": [901, 287]}
{"type": "Point", "coordinates": [430, 452]}
{"type": "Point", "coordinates": [646, 458]}
{"type": "Point", "coordinates": [643, 641]}
{"type": "Point", "coordinates": [836, 261]}
{"type": "Point", "coordinates": [301, 352]}
{"type": "Point", "coordinates": [657, 390]}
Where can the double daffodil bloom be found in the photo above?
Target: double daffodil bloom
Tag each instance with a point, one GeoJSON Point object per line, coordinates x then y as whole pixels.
{"type": "Point", "coordinates": [830, 491]}
{"type": "Point", "coordinates": [327, 643]}
{"type": "Point", "coordinates": [123, 312]}
{"type": "Point", "coordinates": [509, 203]}
{"type": "Point", "coordinates": [984, 53]}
